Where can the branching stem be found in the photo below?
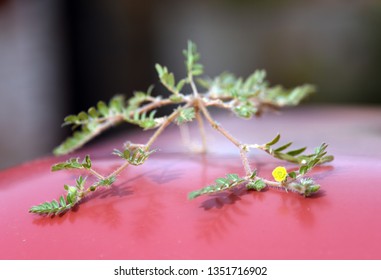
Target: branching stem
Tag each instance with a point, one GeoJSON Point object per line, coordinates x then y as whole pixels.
{"type": "Point", "coordinates": [109, 122]}
{"type": "Point", "coordinates": [120, 169]}
{"type": "Point", "coordinates": [153, 138]}
{"type": "Point", "coordinates": [166, 122]}
{"type": "Point", "coordinates": [219, 128]}
{"type": "Point", "coordinates": [245, 160]}
{"type": "Point", "coordinates": [244, 97]}
{"type": "Point", "coordinates": [155, 104]}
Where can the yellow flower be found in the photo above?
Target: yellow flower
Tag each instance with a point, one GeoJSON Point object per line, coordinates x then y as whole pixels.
{"type": "Point", "coordinates": [279, 174]}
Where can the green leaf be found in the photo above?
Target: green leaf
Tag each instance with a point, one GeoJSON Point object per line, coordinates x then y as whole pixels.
{"type": "Point", "coordinates": [135, 101]}
{"type": "Point", "coordinates": [134, 156]}
{"type": "Point", "coordinates": [191, 59]}
{"type": "Point", "coordinates": [72, 163]}
{"type": "Point", "coordinates": [117, 104]}
{"type": "Point", "coordinates": [107, 181]}
{"type": "Point", "coordinates": [54, 204]}
{"type": "Point", "coordinates": [72, 191]}
{"type": "Point", "coordinates": [305, 186]}
{"type": "Point", "coordinates": [257, 185]}
{"type": "Point", "coordinates": [204, 83]}
{"type": "Point", "coordinates": [49, 208]}
{"type": "Point", "coordinates": [71, 196]}
{"type": "Point", "coordinates": [80, 182]}
{"type": "Point", "coordinates": [310, 161]}
{"type": "Point", "coordinates": [303, 169]}
{"type": "Point", "coordinates": [253, 175]}
{"type": "Point", "coordinates": [93, 113]}
{"type": "Point", "coordinates": [71, 119]}
{"type": "Point", "coordinates": [278, 96]}
{"type": "Point", "coordinates": [281, 148]}
{"type": "Point", "coordinates": [232, 177]}
{"type": "Point", "coordinates": [103, 109]}
{"type": "Point", "coordinates": [180, 85]}
{"type": "Point", "coordinates": [274, 141]}
{"type": "Point", "coordinates": [286, 157]}
{"type": "Point", "coordinates": [86, 163]}
{"type": "Point", "coordinates": [159, 69]}
{"type": "Point", "coordinates": [313, 162]}
{"type": "Point", "coordinates": [197, 71]}
{"type": "Point", "coordinates": [296, 152]}
{"type": "Point", "coordinates": [168, 79]}
{"type": "Point", "coordinates": [91, 124]}
{"type": "Point", "coordinates": [144, 121]}
{"type": "Point", "coordinates": [78, 139]}
{"type": "Point", "coordinates": [185, 115]}
{"type": "Point", "coordinates": [222, 184]}
{"type": "Point", "coordinates": [82, 116]}
{"type": "Point", "coordinates": [69, 199]}
{"type": "Point", "coordinates": [245, 111]}
{"type": "Point", "coordinates": [292, 174]}
{"type": "Point", "coordinates": [311, 190]}
{"type": "Point", "coordinates": [176, 98]}
{"type": "Point", "coordinates": [194, 194]}
{"type": "Point", "coordinates": [326, 159]}
{"type": "Point", "coordinates": [62, 201]}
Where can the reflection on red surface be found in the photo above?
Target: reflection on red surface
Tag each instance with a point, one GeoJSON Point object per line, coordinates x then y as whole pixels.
{"type": "Point", "coordinates": [146, 215]}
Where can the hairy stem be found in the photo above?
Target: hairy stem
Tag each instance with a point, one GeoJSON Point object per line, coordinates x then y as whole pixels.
{"type": "Point", "coordinates": [218, 103]}
{"type": "Point", "coordinates": [109, 122]}
{"type": "Point", "coordinates": [153, 138]}
{"type": "Point", "coordinates": [245, 160]}
{"type": "Point", "coordinates": [150, 106]}
{"type": "Point", "coordinates": [161, 128]}
{"type": "Point", "coordinates": [193, 85]}
{"type": "Point", "coordinates": [269, 182]}
{"type": "Point", "coordinates": [96, 174]}
{"type": "Point", "coordinates": [120, 169]}
{"type": "Point", "coordinates": [219, 128]}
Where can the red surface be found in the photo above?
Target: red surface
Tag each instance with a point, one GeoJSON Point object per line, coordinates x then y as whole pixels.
{"type": "Point", "coordinates": [146, 215]}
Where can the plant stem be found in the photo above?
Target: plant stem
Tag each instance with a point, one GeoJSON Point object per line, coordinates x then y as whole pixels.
{"type": "Point", "coordinates": [219, 128]}
{"type": "Point", "coordinates": [269, 182]}
{"type": "Point", "coordinates": [218, 103]}
{"type": "Point", "coordinates": [245, 160]}
{"type": "Point", "coordinates": [102, 127]}
{"type": "Point", "coordinates": [166, 122]}
{"type": "Point", "coordinates": [96, 174]}
{"type": "Point", "coordinates": [157, 103]}
{"type": "Point", "coordinates": [193, 86]}
{"type": "Point", "coordinates": [120, 169]}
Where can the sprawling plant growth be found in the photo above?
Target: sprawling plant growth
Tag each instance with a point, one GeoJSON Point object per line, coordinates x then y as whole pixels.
{"type": "Point", "coordinates": [244, 97]}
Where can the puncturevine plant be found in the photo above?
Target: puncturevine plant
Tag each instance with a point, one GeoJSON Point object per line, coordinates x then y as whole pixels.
{"type": "Point", "coordinates": [244, 97]}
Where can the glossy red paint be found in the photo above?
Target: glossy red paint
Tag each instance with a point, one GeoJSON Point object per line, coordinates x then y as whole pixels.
{"type": "Point", "coordinates": [147, 215]}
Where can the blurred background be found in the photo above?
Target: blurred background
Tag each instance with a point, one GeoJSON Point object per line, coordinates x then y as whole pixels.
{"type": "Point", "coordinates": [58, 57]}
